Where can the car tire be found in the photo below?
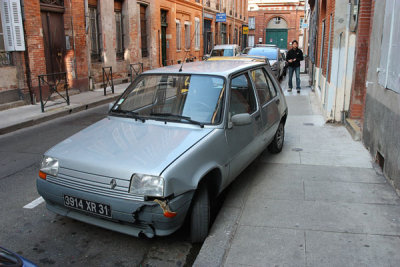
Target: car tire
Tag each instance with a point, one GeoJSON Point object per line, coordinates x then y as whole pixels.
{"type": "Point", "coordinates": [277, 144]}
{"type": "Point", "coordinates": [200, 215]}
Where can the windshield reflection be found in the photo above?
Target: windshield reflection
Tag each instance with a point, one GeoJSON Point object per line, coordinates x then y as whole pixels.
{"type": "Point", "coordinates": [186, 98]}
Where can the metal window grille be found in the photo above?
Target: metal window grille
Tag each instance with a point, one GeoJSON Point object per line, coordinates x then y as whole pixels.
{"type": "Point", "coordinates": [143, 30]}
{"type": "Point", "coordinates": [119, 35]}
{"type": "Point", "coordinates": [223, 33]}
{"type": "Point", "coordinates": [94, 34]}
{"type": "Point", "coordinates": [252, 23]}
{"type": "Point", "coordinates": [5, 57]}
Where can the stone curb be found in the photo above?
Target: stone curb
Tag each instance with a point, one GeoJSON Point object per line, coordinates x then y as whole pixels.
{"type": "Point", "coordinates": [61, 113]}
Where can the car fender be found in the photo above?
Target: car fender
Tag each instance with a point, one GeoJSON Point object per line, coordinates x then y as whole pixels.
{"type": "Point", "coordinates": [185, 173]}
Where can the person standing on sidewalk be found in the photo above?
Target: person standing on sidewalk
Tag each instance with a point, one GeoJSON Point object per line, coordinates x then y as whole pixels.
{"type": "Point", "coordinates": [294, 56]}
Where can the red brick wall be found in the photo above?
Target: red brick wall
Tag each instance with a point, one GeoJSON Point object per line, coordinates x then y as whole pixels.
{"type": "Point", "coordinates": [364, 28]}
{"type": "Point", "coordinates": [327, 8]}
{"type": "Point", "coordinates": [262, 18]}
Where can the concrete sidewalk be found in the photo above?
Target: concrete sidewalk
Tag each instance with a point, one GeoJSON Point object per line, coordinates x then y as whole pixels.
{"type": "Point", "coordinates": [25, 116]}
{"type": "Point", "coordinates": [319, 202]}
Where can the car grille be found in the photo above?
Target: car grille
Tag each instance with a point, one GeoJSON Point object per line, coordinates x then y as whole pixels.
{"type": "Point", "coordinates": [93, 183]}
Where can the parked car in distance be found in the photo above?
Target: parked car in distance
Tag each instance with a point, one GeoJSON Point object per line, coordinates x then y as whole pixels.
{"type": "Point", "coordinates": [227, 50]}
{"type": "Point", "coordinates": [9, 258]}
{"type": "Point", "coordinates": [274, 56]}
{"type": "Point", "coordinates": [172, 142]}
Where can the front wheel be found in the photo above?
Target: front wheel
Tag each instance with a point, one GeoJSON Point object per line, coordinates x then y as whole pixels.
{"type": "Point", "coordinates": [200, 216]}
{"type": "Point", "coordinates": [277, 144]}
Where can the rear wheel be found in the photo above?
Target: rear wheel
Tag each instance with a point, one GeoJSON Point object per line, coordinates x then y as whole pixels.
{"type": "Point", "coordinates": [200, 216]}
{"type": "Point", "coordinates": [277, 144]}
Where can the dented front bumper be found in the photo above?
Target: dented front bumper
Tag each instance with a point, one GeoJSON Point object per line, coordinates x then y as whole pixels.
{"type": "Point", "coordinates": [127, 216]}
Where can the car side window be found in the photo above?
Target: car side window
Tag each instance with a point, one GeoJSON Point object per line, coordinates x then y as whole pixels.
{"type": "Point", "coordinates": [242, 96]}
{"type": "Point", "coordinates": [271, 85]}
{"type": "Point", "coordinates": [262, 86]}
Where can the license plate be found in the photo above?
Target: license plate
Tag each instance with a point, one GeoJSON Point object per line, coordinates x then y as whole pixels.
{"type": "Point", "coordinates": [87, 206]}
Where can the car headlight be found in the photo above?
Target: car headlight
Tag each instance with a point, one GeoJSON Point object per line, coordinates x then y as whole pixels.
{"type": "Point", "coordinates": [147, 185]}
{"type": "Point", "coordinates": [49, 166]}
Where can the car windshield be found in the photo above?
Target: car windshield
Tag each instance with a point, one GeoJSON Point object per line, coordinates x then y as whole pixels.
{"type": "Point", "coordinates": [271, 54]}
{"type": "Point", "coordinates": [222, 53]}
{"type": "Point", "coordinates": [186, 98]}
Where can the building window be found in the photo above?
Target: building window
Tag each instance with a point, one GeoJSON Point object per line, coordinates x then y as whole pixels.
{"type": "Point", "coordinates": [178, 35]}
{"type": "Point", "coordinates": [251, 41]}
{"type": "Point", "coordinates": [187, 35]}
{"type": "Point", "coordinates": [5, 57]}
{"type": "Point", "coordinates": [143, 30]}
{"type": "Point", "coordinates": [301, 23]}
{"type": "Point", "coordinates": [196, 33]}
{"type": "Point", "coordinates": [223, 33]}
{"type": "Point", "coordinates": [389, 67]}
{"type": "Point", "coordinates": [94, 34]}
{"type": "Point", "coordinates": [119, 34]}
{"type": "Point", "coordinates": [252, 23]}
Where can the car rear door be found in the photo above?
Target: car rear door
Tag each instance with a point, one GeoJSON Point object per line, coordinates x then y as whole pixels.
{"type": "Point", "coordinates": [242, 140]}
{"type": "Point", "coordinates": [269, 101]}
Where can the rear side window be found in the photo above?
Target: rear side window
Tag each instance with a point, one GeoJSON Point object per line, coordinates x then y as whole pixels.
{"type": "Point", "coordinates": [262, 86]}
{"type": "Point", "coordinates": [242, 96]}
{"type": "Point", "coordinates": [271, 85]}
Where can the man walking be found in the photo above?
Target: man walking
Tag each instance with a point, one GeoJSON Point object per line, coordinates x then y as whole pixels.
{"type": "Point", "coordinates": [294, 56]}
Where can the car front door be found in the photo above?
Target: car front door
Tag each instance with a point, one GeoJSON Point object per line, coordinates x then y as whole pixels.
{"type": "Point", "coordinates": [242, 140]}
{"type": "Point", "coordinates": [271, 115]}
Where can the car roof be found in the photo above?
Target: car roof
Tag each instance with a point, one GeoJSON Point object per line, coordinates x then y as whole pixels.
{"type": "Point", "coordinates": [225, 46]}
{"type": "Point", "coordinates": [241, 58]}
{"type": "Point", "coordinates": [214, 67]}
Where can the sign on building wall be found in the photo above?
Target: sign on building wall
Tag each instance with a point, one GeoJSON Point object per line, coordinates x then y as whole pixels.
{"type": "Point", "coordinates": [245, 30]}
{"type": "Point", "coordinates": [220, 17]}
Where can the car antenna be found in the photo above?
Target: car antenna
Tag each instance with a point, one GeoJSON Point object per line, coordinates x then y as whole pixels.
{"type": "Point", "coordinates": [180, 69]}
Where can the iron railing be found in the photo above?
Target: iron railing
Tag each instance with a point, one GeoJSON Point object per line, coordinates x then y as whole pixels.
{"type": "Point", "coordinates": [108, 79]}
{"type": "Point", "coordinates": [54, 82]}
{"type": "Point", "coordinates": [135, 69]}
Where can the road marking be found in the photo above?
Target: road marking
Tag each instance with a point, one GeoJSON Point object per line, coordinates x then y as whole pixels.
{"type": "Point", "coordinates": [34, 203]}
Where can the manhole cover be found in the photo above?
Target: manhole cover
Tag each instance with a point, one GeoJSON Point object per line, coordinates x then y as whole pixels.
{"type": "Point", "coordinates": [297, 149]}
{"type": "Point", "coordinates": [308, 124]}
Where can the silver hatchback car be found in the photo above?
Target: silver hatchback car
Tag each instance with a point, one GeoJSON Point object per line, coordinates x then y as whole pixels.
{"type": "Point", "coordinates": [172, 142]}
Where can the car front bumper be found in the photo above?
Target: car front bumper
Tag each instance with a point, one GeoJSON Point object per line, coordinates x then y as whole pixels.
{"type": "Point", "coordinates": [128, 216]}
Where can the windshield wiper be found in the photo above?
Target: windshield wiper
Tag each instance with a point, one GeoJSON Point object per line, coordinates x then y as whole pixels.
{"type": "Point", "coordinates": [177, 116]}
{"type": "Point", "coordinates": [127, 113]}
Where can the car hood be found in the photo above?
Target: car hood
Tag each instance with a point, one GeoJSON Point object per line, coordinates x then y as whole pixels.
{"type": "Point", "coordinates": [119, 147]}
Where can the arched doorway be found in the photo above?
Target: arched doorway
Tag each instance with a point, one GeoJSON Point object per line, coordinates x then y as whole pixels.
{"type": "Point", "coordinates": [277, 32]}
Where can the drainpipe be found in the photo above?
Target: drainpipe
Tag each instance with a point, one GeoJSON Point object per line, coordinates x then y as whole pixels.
{"type": "Point", "coordinates": [26, 55]}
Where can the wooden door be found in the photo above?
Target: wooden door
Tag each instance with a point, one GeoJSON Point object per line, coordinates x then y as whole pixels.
{"type": "Point", "coordinates": [54, 41]}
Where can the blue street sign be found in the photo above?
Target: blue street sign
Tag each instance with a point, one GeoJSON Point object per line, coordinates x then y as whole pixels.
{"type": "Point", "coordinates": [220, 17]}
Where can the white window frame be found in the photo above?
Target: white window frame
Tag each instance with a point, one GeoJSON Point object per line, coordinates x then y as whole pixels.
{"type": "Point", "coordinates": [178, 35]}
{"type": "Point", "coordinates": [11, 18]}
{"type": "Point", "coordinates": [187, 35]}
{"type": "Point", "coordinates": [197, 33]}
{"type": "Point", "coordinates": [389, 69]}
{"type": "Point", "coordinates": [252, 23]}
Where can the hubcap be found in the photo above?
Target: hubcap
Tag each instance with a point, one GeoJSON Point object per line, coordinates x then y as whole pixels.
{"type": "Point", "coordinates": [280, 136]}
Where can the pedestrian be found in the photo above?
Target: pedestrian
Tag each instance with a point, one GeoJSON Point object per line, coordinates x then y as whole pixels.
{"type": "Point", "coordinates": [294, 56]}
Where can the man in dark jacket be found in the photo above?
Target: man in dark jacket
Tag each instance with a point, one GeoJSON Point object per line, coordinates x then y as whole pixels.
{"type": "Point", "coordinates": [293, 57]}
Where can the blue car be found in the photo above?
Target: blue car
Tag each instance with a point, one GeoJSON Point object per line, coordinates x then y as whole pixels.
{"type": "Point", "coordinates": [8, 258]}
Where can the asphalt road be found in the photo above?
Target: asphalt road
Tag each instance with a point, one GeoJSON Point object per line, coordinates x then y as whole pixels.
{"type": "Point", "coordinates": [52, 240]}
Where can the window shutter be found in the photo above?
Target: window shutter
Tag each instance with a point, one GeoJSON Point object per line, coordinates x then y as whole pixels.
{"type": "Point", "coordinates": [7, 25]}
{"type": "Point", "coordinates": [393, 69]}
{"type": "Point", "coordinates": [18, 29]}
{"type": "Point", "coordinates": [385, 43]}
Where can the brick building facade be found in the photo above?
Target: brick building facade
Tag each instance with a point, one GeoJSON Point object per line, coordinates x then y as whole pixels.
{"type": "Point", "coordinates": [80, 37]}
{"type": "Point", "coordinates": [267, 18]}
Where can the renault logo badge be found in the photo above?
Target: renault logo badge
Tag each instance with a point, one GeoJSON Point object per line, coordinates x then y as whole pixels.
{"type": "Point", "coordinates": [113, 183]}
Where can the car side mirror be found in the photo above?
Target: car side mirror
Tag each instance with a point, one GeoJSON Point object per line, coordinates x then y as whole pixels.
{"type": "Point", "coordinates": [241, 119]}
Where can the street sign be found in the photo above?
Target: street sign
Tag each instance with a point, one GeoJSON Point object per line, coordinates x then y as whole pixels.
{"type": "Point", "coordinates": [220, 17]}
{"type": "Point", "coordinates": [245, 30]}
